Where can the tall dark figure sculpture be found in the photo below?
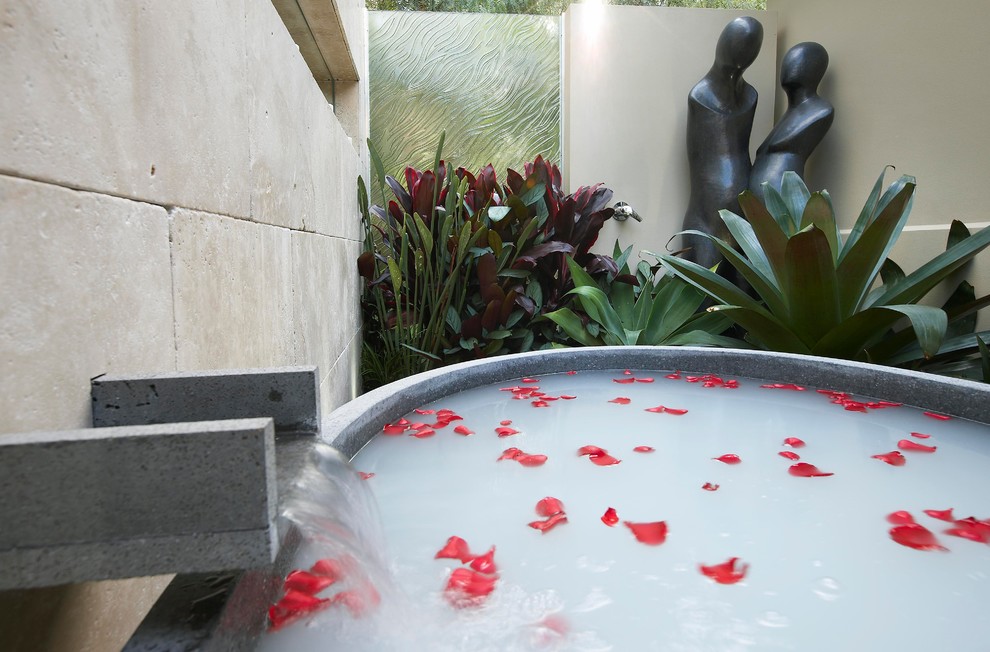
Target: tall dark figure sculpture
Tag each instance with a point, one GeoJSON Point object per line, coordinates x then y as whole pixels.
{"type": "Point", "coordinates": [803, 125]}
{"type": "Point", "coordinates": [721, 108]}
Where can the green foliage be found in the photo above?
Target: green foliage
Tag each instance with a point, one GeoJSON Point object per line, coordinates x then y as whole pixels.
{"type": "Point", "coordinates": [460, 266]}
{"type": "Point", "coordinates": [546, 7]}
{"type": "Point", "coordinates": [819, 292]}
{"type": "Point", "coordinates": [637, 310]}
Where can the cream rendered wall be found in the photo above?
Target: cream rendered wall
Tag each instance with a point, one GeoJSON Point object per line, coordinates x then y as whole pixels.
{"type": "Point", "coordinates": [627, 75]}
{"type": "Point", "coordinates": [908, 81]}
{"type": "Point", "coordinates": [175, 193]}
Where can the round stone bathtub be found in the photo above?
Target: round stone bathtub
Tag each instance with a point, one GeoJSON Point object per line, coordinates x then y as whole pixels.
{"type": "Point", "coordinates": [728, 531]}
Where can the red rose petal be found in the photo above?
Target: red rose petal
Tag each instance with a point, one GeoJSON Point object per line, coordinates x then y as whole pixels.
{"type": "Point", "coordinates": [505, 431]}
{"type": "Point", "coordinates": [293, 606]}
{"type": "Point", "coordinates": [568, 397]}
{"type": "Point", "coordinates": [972, 529]}
{"type": "Point", "coordinates": [674, 376]}
{"type": "Point", "coordinates": [621, 400]}
{"type": "Point", "coordinates": [604, 459]}
{"type": "Point", "coordinates": [423, 433]}
{"type": "Point", "coordinates": [532, 460]}
{"type": "Point", "coordinates": [327, 568]}
{"type": "Point", "coordinates": [803, 470]}
{"type": "Point", "coordinates": [794, 442]}
{"type": "Point", "coordinates": [915, 536]}
{"type": "Point", "coordinates": [463, 430]}
{"type": "Point", "coordinates": [530, 380]}
{"type": "Point", "coordinates": [540, 404]}
{"type": "Point", "coordinates": [940, 417]}
{"type": "Point", "coordinates": [610, 518]}
{"type": "Point", "coordinates": [627, 372]}
{"type": "Point", "coordinates": [506, 422]}
{"type": "Point", "coordinates": [548, 524]}
{"type": "Point", "coordinates": [908, 445]}
{"type": "Point", "coordinates": [790, 386]}
{"type": "Point", "coordinates": [467, 587]}
{"type": "Point", "coordinates": [365, 476]}
{"type": "Point", "coordinates": [644, 380]}
{"type": "Point", "coordinates": [726, 572]}
{"type": "Point", "coordinates": [900, 517]}
{"type": "Point", "coordinates": [393, 429]}
{"type": "Point", "coordinates": [419, 411]}
{"type": "Point", "coordinates": [644, 449]}
{"type": "Point", "coordinates": [549, 506]}
{"type": "Point", "coordinates": [308, 583]}
{"type": "Point", "coordinates": [571, 373]}
{"type": "Point", "coordinates": [941, 514]}
{"type": "Point", "coordinates": [791, 455]}
{"type": "Point", "coordinates": [708, 486]}
{"type": "Point", "coordinates": [728, 458]}
{"type": "Point", "coordinates": [624, 381]}
{"type": "Point", "coordinates": [652, 534]}
{"type": "Point", "coordinates": [510, 454]}
{"type": "Point", "coordinates": [357, 602]}
{"type": "Point", "coordinates": [455, 548]}
{"type": "Point", "coordinates": [894, 458]}
{"type": "Point", "coordinates": [485, 563]}
{"type": "Point", "coordinates": [666, 410]}
{"type": "Point", "coordinates": [591, 450]}
{"type": "Point", "coordinates": [920, 435]}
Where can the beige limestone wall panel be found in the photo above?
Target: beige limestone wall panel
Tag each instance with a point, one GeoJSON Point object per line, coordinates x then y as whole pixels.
{"type": "Point", "coordinates": [294, 136]}
{"type": "Point", "coordinates": [627, 75]}
{"type": "Point", "coordinates": [233, 292]}
{"type": "Point", "coordinates": [134, 98]}
{"type": "Point", "coordinates": [325, 297]}
{"type": "Point", "coordinates": [348, 217]}
{"type": "Point", "coordinates": [343, 383]}
{"type": "Point", "coordinates": [908, 83]}
{"type": "Point", "coordinates": [86, 291]}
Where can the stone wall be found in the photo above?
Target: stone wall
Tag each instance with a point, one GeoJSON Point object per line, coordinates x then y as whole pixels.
{"type": "Point", "coordinates": [175, 194]}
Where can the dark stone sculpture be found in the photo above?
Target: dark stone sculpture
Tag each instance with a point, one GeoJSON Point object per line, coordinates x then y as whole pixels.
{"type": "Point", "coordinates": [721, 108]}
{"type": "Point", "coordinates": [803, 125]}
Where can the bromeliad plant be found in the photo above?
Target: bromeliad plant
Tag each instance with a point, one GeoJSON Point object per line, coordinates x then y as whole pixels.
{"type": "Point", "coordinates": [819, 292]}
{"type": "Point", "coordinates": [639, 309]}
{"type": "Point", "coordinates": [460, 266]}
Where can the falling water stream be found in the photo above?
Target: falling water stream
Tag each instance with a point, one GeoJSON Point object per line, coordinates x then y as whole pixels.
{"type": "Point", "coordinates": [822, 571]}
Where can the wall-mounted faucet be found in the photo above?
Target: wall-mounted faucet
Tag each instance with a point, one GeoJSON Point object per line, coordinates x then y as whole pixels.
{"type": "Point", "coordinates": [624, 211]}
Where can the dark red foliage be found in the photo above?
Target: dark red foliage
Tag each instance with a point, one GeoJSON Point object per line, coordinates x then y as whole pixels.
{"type": "Point", "coordinates": [726, 572]}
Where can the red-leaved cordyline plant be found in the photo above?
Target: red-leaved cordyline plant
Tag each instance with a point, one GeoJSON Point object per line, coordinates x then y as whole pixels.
{"type": "Point", "coordinates": [461, 265]}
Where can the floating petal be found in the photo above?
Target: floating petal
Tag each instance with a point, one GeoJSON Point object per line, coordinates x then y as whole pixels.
{"type": "Point", "coordinates": [604, 459]}
{"type": "Point", "coordinates": [610, 518]}
{"type": "Point", "coordinates": [306, 582]}
{"type": "Point", "coordinates": [505, 431]}
{"type": "Point", "coordinates": [624, 381]}
{"type": "Point", "coordinates": [455, 548]}
{"type": "Point", "coordinates": [365, 476]}
{"type": "Point", "coordinates": [393, 429]}
{"type": "Point", "coordinates": [708, 486]}
{"type": "Point", "coordinates": [908, 445]}
{"type": "Point", "coordinates": [915, 536]}
{"type": "Point", "coordinates": [505, 422]}
{"type": "Point", "coordinates": [894, 458]}
{"type": "Point", "coordinates": [568, 397]}
{"type": "Point", "coordinates": [463, 430]}
{"type": "Point", "coordinates": [467, 587]}
{"type": "Point", "coordinates": [423, 433]}
{"type": "Point", "coordinates": [293, 606]}
{"type": "Point", "coordinates": [621, 400]}
{"type": "Point", "coordinates": [510, 454]}
{"type": "Point", "coordinates": [726, 572]}
{"type": "Point", "coordinates": [728, 458]}
{"type": "Point", "coordinates": [652, 534]}
{"type": "Point", "coordinates": [972, 529]}
{"type": "Point", "coordinates": [790, 386]}
{"type": "Point", "coordinates": [485, 563]}
{"type": "Point", "coordinates": [530, 380]}
{"type": "Point", "coordinates": [549, 506]}
{"type": "Point", "coordinates": [791, 455]}
{"type": "Point", "coordinates": [794, 442]}
{"type": "Point", "coordinates": [644, 380]}
{"type": "Point", "coordinates": [532, 460]}
{"type": "Point", "coordinates": [419, 411]}
{"type": "Point", "coordinates": [920, 435]}
{"type": "Point", "coordinates": [591, 450]}
{"type": "Point", "coordinates": [327, 568]}
{"type": "Point", "coordinates": [540, 404]}
{"type": "Point", "coordinates": [548, 524]}
{"type": "Point", "coordinates": [941, 514]}
{"type": "Point", "coordinates": [804, 470]}
{"type": "Point", "coordinates": [900, 517]}
{"type": "Point", "coordinates": [644, 449]}
{"type": "Point", "coordinates": [571, 373]}
{"type": "Point", "coordinates": [934, 415]}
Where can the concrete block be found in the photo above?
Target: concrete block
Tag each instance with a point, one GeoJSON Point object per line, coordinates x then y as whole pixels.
{"type": "Point", "coordinates": [343, 382]}
{"type": "Point", "coordinates": [294, 149]}
{"type": "Point", "coordinates": [138, 99]}
{"type": "Point", "coordinates": [134, 501]}
{"type": "Point", "coordinates": [87, 290]}
{"type": "Point", "coordinates": [289, 395]}
{"type": "Point", "coordinates": [326, 297]}
{"type": "Point", "coordinates": [233, 294]}
{"type": "Point", "coordinates": [349, 213]}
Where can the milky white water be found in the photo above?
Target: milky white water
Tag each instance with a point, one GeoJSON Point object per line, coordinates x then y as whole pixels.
{"type": "Point", "coordinates": [824, 573]}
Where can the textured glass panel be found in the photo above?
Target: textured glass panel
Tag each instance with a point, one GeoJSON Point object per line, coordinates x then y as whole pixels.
{"type": "Point", "coordinates": [491, 81]}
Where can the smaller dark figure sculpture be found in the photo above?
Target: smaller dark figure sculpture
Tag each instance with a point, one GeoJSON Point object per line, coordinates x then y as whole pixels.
{"type": "Point", "coordinates": [803, 125]}
{"type": "Point", "coordinates": [721, 108]}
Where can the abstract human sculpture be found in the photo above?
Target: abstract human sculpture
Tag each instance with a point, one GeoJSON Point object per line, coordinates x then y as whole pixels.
{"type": "Point", "coordinates": [803, 125]}
{"type": "Point", "coordinates": [721, 108]}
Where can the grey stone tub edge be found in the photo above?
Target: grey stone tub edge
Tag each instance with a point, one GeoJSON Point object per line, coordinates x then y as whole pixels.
{"type": "Point", "coordinates": [352, 425]}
